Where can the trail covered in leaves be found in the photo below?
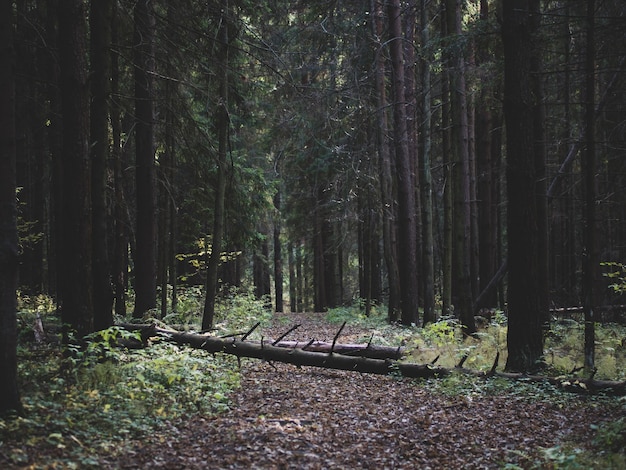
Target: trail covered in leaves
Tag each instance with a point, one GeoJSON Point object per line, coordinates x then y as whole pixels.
{"type": "Point", "coordinates": [284, 417]}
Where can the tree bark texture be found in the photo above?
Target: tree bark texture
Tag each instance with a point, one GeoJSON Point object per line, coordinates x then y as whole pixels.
{"type": "Point", "coordinates": [100, 22]}
{"type": "Point", "coordinates": [590, 253]}
{"type": "Point", "coordinates": [76, 251]}
{"type": "Point", "coordinates": [425, 180]}
{"type": "Point", "coordinates": [223, 126]}
{"type": "Point", "coordinates": [525, 309]}
{"type": "Point", "coordinates": [407, 232]}
{"type": "Point", "coordinates": [9, 244]}
{"type": "Point", "coordinates": [145, 252]}
{"type": "Point", "coordinates": [385, 167]}
{"type": "Point", "coordinates": [462, 283]}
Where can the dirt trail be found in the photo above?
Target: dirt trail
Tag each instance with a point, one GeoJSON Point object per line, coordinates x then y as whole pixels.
{"type": "Point", "coordinates": [284, 418]}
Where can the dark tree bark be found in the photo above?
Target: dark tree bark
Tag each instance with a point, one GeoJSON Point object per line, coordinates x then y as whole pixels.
{"type": "Point", "coordinates": [119, 264]}
{"type": "Point", "coordinates": [145, 251]}
{"type": "Point", "coordinates": [278, 256]}
{"type": "Point", "coordinates": [407, 232]}
{"type": "Point", "coordinates": [76, 259]}
{"type": "Point", "coordinates": [448, 193]}
{"type": "Point", "coordinates": [525, 309]}
{"type": "Point", "coordinates": [385, 163]}
{"type": "Point", "coordinates": [462, 283]}
{"type": "Point", "coordinates": [293, 291]}
{"type": "Point", "coordinates": [9, 244]}
{"type": "Point", "coordinates": [590, 256]}
{"type": "Point", "coordinates": [261, 267]}
{"type": "Point", "coordinates": [100, 22]}
{"type": "Point", "coordinates": [425, 180]}
{"type": "Point", "coordinates": [222, 119]}
{"type": "Point", "coordinates": [487, 203]}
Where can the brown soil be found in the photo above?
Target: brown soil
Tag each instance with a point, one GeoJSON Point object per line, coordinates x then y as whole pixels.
{"type": "Point", "coordinates": [284, 418]}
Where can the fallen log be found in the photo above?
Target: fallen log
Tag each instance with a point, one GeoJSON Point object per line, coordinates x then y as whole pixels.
{"type": "Point", "coordinates": [300, 356]}
{"type": "Point", "coordinates": [297, 356]}
{"type": "Point", "coordinates": [368, 350]}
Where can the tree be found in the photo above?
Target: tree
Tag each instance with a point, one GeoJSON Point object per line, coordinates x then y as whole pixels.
{"type": "Point", "coordinates": [386, 165]}
{"type": "Point", "coordinates": [462, 281]}
{"type": "Point", "coordinates": [222, 119]}
{"type": "Point", "coordinates": [145, 251]}
{"type": "Point", "coordinates": [425, 179]}
{"type": "Point", "coordinates": [407, 231]}
{"type": "Point", "coordinates": [525, 251]}
{"type": "Point", "coordinates": [590, 253]}
{"type": "Point", "coordinates": [76, 244]}
{"type": "Point", "coordinates": [9, 244]}
{"type": "Point", "coordinates": [100, 22]}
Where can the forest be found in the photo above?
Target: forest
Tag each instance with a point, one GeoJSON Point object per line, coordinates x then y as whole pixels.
{"type": "Point", "coordinates": [440, 173]}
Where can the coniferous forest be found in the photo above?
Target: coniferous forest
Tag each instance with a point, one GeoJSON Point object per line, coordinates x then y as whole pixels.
{"type": "Point", "coordinates": [443, 169]}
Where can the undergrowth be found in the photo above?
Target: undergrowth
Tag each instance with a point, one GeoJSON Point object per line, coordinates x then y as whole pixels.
{"type": "Point", "coordinates": [95, 398]}
{"type": "Point", "coordinates": [92, 397]}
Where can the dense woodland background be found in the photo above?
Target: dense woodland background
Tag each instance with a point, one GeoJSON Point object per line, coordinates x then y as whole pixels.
{"type": "Point", "coordinates": [403, 153]}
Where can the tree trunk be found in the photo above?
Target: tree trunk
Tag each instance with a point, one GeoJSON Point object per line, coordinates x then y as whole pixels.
{"type": "Point", "coordinates": [425, 182]}
{"type": "Point", "coordinates": [77, 309]}
{"type": "Point", "coordinates": [222, 119]}
{"type": "Point", "coordinates": [448, 188]}
{"type": "Point", "coordinates": [9, 243]}
{"type": "Point", "coordinates": [145, 251]}
{"type": "Point", "coordinates": [525, 309]}
{"type": "Point", "coordinates": [590, 253]}
{"type": "Point", "coordinates": [407, 234]}
{"type": "Point", "coordinates": [298, 354]}
{"type": "Point", "coordinates": [462, 283]}
{"type": "Point", "coordinates": [386, 173]}
{"type": "Point", "coordinates": [278, 256]}
{"type": "Point", "coordinates": [100, 21]}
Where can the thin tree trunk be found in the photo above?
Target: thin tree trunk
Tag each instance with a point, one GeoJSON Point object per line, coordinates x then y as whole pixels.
{"type": "Point", "coordinates": [462, 284]}
{"type": "Point", "coordinates": [77, 309]}
{"type": "Point", "coordinates": [223, 123]}
{"type": "Point", "coordinates": [448, 188]}
{"type": "Point", "coordinates": [407, 233]}
{"type": "Point", "coordinates": [278, 256]}
{"type": "Point", "coordinates": [100, 21]}
{"type": "Point", "coordinates": [145, 251]}
{"type": "Point", "coordinates": [590, 252]}
{"type": "Point", "coordinates": [10, 401]}
{"type": "Point", "coordinates": [386, 178]}
{"type": "Point", "coordinates": [425, 182]}
{"type": "Point", "coordinates": [293, 292]}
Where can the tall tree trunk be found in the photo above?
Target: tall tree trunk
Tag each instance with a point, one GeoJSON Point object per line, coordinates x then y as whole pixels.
{"type": "Point", "coordinates": [293, 292]}
{"type": "Point", "coordinates": [278, 256]}
{"type": "Point", "coordinates": [222, 118]}
{"type": "Point", "coordinates": [145, 251]}
{"type": "Point", "coordinates": [590, 252]}
{"type": "Point", "coordinates": [120, 250]}
{"type": "Point", "coordinates": [525, 309]}
{"type": "Point", "coordinates": [386, 173]}
{"type": "Point", "coordinates": [9, 245]}
{"type": "Point", "coordinates": [487, 221]}
{"type": "Point", "coordinates": [407, 233]}
{"type": "Point", "coordinates": [448, 187]}
{"type": "Point", "coordinates": [77, 309]}
{"type": "Point", "coordinates": [100, 21]}
{"type": "Point", "coordinates": [462, 284]}
{"type": "Point", "coordinates": [425, 182]}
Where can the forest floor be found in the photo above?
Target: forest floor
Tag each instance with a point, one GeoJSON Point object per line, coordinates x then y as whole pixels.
{"type": "Point", "coordinates": [284, 417]}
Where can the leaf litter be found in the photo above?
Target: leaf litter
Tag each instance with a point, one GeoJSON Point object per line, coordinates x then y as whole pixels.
{"type": "Point", "coordinates": [285, 417]}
